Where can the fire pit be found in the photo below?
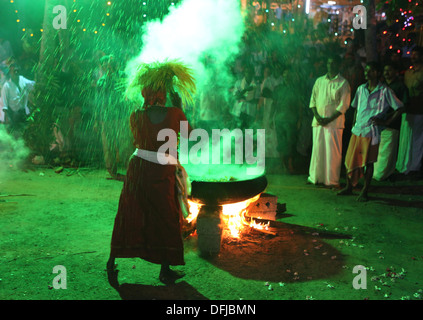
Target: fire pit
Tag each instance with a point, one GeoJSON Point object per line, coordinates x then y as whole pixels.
{"type": "Point", "coordinates": [216, 204]}
{"type": "Point", "coordinates": [221, 193]}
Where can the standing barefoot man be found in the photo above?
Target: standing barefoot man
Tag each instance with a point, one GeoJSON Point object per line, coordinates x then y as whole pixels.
{"type": "Point", "coordinates": [372, 102]}
{"type": "Point", "coordinates": [329, 101]}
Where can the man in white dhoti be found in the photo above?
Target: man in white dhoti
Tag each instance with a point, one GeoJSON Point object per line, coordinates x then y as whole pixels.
{"type": "Point", "coordinates": [389, 137]}
{"type": "Point", "coordinates": [330, 99]}
{"type": "Point", "coordinates": [410, 153]}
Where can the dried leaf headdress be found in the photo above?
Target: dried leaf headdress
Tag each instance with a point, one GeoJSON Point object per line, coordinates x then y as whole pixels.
{"type": "Point", "coordinates": [167, 77]}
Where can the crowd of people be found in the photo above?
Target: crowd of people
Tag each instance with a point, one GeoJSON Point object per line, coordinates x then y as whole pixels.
{"type": "Point", "coordinates": [300, 84]}
{"type": "Point", "coordinates": [303, 94]}
{"type": "Point", "coordinates": [290, 94]}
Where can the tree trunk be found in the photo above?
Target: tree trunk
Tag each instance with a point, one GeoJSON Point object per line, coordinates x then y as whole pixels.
{"type": "Point", "coordinates": [48, 97]}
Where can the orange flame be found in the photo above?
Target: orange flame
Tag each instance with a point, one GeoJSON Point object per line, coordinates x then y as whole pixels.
{"type": "Point", "coordinates": [234, 214]}
{"type": "Point", "coordinates": [194, 209]}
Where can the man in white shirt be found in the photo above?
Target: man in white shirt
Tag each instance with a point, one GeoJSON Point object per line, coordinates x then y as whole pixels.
{"type": "Point", "coordinates": [330, 99]}
{"type": "Point", "coordinates": [372, 102]}
{"type": "Point", "coordinates": [14, 95]}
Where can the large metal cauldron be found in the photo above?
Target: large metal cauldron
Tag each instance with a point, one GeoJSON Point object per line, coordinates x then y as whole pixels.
{"type": "Point", "coordinates": [221, 193]}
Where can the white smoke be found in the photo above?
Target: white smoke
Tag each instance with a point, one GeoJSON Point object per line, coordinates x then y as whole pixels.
{"type": "Point", "coordinates": [12, 153]}
{"type": "Point", "coordinates": [191, 30]}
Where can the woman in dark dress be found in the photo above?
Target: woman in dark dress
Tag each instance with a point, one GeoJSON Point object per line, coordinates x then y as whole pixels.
{"type": "Point", "coordinates": [149, 218]}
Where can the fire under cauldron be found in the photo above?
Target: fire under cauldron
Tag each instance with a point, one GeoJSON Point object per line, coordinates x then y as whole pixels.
{"type": "Point", "coordinates": [212, 196]}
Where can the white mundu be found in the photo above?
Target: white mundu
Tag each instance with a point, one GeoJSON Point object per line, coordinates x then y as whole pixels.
{"type": "Point", "coordinates": [328, 97]}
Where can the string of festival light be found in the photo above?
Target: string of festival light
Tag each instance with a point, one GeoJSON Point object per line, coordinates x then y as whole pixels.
{"type": "Point", "coordinates": [405, 13]}
{"type": "Point", "coordinates": [406, 23]}
{"type": "Point", "coordinates": [77, 11]}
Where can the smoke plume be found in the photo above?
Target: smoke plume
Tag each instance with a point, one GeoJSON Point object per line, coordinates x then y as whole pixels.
{"type": "Point", "coordinates": [193, 32]}
{"type": "Point", "coordinates": [12, 153]}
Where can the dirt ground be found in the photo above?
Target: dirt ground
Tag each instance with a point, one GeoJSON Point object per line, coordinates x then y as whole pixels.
{"type": "Point", "coordinates": [49, 219]}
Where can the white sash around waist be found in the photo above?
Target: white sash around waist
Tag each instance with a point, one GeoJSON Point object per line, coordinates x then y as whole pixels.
{"type": "Point", "coordinates": [156, 157]}
{"type": "Point", "coordinates": [183, 182]}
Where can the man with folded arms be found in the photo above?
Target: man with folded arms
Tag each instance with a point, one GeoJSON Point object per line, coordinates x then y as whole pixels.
{"type": "Point", "coordinates": [330, 100]}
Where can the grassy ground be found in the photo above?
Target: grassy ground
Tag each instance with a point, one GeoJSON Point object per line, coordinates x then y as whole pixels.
{"type": "Point", "coordinates": [49, 219]}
